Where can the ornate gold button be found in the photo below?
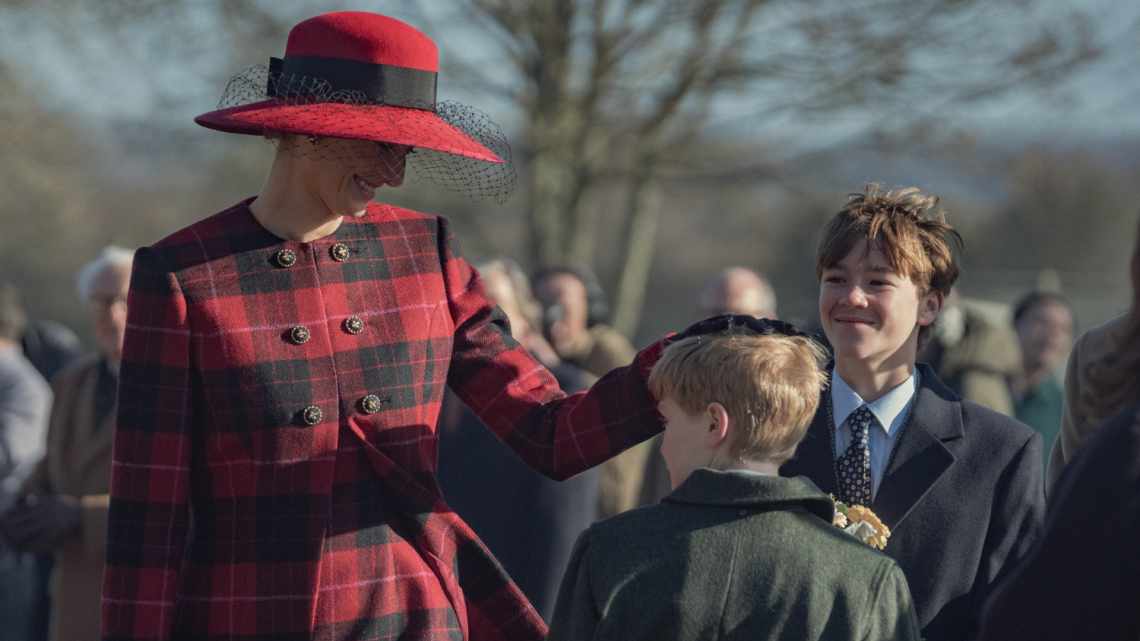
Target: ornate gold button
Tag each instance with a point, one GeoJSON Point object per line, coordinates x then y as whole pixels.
{"type": "Point", "coordinates": [299, 335]}
{"type": "Point", "coordinates": [340, 252]}
{"type": "Point", "coordinates": [312, 415]}
{"type": "Point", "coordinates": [353, 325]}
{"type": "Point", "coordinates": [285, 258]}
{"type": "Point", "coordinates": [371, 404]}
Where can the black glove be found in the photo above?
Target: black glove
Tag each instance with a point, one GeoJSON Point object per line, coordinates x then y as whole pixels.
{"type": "Point", "coordinates": [728, 324]}
{"type": "Point", "coordinates": [42, 523]}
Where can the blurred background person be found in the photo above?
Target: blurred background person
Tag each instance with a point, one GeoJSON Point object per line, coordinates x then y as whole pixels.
{"type": "Point", "coordinates": [574, 315]}
{"type": "Point", "coordinates": [1044, 324]}
{"type": "Point", "coordinates": [973, 355]}
{"type": "Point", "coordinates": [1101, 376]}
{"type": "Point", "coordinates": [527, 520]}
{"type": "Point", "coordinates": [738, 290]}
{"type": "Point", "coordinates": [1089, 541]}
{"type": "Point", "coordinates": [50, 346]}
{"type": "Point", "coordinates": [25, 400]}
{"type": "Point", "coordinates": [64, 506]}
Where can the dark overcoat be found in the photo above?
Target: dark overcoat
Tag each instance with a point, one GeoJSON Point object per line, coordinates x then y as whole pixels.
{"type": "Point", "coordinates": [963, 496]}
{"type": "Point", "coordinates": [731, 556]}
{"type": "Point", "coordinates": [273, 470]}
{"type": "Point", "coordinates": [1082, 579]}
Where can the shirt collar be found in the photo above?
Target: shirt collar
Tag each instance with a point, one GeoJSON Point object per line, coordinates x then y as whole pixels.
{"type": "Point", "coordinates": [886, 408]}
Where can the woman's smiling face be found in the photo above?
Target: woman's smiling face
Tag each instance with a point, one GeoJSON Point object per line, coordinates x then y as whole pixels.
{"type": "Point", "coordinates": [345, 174]}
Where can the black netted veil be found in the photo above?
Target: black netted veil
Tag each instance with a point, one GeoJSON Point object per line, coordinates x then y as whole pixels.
{"type": "Point", "coordinates": [287, 103]}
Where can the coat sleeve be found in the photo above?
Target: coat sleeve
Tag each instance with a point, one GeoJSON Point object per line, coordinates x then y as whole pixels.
{"type": "Point", "coordinates": [575, 612]}
{"type": "Point", "coordinates": [520, 400]}
{"type": "Point", "coordinates": [1017, 515]}
{"type": "Point", "coordinates": [148, 513]}
{"type": "Point", "coordinates": [891, 615]}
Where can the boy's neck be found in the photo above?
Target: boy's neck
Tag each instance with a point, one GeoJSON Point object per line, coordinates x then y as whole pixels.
{"type": "Point", "coordinates": [766, 468]}
{"type": "Point", "coordinates": [871, 381]}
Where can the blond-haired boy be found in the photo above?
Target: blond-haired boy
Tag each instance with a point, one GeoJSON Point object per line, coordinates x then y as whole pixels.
{"type": "Point", "coordinates": [734, 551]}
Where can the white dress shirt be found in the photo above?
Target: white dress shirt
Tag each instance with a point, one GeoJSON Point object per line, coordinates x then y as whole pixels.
{"type": "Point", "coordinates": [891, 411]}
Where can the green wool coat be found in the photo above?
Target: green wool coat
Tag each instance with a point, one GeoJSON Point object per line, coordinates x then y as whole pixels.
{"type": "Point", "coordinates": [731, 555]}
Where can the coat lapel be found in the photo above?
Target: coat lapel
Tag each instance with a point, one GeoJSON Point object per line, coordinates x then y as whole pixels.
{"type": "Point", "coordinates": [921, 456]}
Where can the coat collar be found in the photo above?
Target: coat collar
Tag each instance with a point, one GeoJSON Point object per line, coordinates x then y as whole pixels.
{"type": "Point", "coordinates": [921, 455]}
{"type": "Point", "coordinates": [740, 490]}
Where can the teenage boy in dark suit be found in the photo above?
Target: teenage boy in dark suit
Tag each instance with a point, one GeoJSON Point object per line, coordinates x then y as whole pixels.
{"type": "Point", "coordinates": [960, 486]}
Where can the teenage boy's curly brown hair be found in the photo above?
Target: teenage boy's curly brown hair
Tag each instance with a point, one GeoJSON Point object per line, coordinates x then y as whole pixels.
{"type": "Point", "coordinates": [907, 226]}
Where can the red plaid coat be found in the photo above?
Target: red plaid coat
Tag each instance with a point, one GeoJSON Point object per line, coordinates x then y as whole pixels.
{"type": "Point", "coordinates": [274, 458]}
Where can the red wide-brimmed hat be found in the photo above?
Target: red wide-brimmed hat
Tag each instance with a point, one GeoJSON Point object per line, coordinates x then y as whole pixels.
{"type": "Point", "coordinates": [364, 76]}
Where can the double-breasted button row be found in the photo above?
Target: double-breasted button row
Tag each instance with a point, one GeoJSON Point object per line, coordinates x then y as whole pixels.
{"type": "Point", "coordinates": [299, 334]}
{"type": "Point", "coordinates": [287, 257]}
{"type": "Point", "coordinates": [370, 404]}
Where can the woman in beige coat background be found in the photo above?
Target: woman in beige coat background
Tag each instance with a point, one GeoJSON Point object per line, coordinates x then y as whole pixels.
{"type": "Point", "coordinates": [1101, 377]}
{"type": "Point", "coordinates": [64, 505]}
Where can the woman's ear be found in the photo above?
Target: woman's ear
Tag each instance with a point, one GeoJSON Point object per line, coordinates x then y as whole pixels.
{"type": "Point", "coordinates": [929, 307]}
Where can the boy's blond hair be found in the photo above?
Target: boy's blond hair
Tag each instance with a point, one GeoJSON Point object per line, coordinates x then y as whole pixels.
{"type": "Point", "coordinates": [907, 226]}
{"type": "Point", "coordinates": [769, 385]}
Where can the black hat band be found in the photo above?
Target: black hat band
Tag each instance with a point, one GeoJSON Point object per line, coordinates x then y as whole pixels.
{"type": "Point", "coordinates": [381, 84]}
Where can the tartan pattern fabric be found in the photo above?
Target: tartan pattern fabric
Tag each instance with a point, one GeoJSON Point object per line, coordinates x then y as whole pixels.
{"type": "Point", "coordinates": [853, 468]}
{"type": "Point", "coordinates": [239, 512]}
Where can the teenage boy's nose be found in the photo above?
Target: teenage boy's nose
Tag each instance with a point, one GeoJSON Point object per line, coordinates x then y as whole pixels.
{"type": "Point", "coordinates": [855, 297]}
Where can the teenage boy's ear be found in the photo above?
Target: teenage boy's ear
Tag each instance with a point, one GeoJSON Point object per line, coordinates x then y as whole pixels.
{"type": "Point", "coordinates": [718, 424]}
{"type": "Point", "coordinates": [929, 308]}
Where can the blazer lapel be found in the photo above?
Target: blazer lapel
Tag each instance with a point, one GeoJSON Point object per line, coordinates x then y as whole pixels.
{"type": "Point", "coordinates": [814, 457]}
{"type": "Point", "coordinates": [921, 456]}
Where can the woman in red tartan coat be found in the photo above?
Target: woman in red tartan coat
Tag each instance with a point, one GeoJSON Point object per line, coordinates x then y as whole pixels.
{"type": "Point", "coordinates": [273, 473]}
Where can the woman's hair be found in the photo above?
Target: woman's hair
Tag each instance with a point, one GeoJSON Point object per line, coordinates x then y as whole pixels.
{"type": "Point", "coordinates": [1115, 379]}
{"type": "Point", "coordinates": [907, 226]}
{"type": "Point", "coordinates": [769, 386]}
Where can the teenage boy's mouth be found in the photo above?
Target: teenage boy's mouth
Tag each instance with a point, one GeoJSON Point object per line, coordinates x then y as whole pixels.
{"type": "Point", "coordinates": [851, 320]}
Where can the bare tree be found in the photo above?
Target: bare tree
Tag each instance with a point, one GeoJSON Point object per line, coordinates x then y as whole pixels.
{"type": "Point", "coordinates": [618, 92]}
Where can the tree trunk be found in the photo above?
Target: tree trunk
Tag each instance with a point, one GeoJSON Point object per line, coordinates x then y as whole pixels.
{"type": "Point", "coordinates": [639, 237]}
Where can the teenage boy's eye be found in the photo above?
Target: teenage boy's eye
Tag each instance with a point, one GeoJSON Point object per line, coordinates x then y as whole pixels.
{"type": "Point", "coordinates": [832, 279]}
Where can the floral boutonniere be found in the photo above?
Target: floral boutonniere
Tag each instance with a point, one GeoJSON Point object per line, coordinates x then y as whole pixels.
{"type": "Point", "coordinates": [861, 523]}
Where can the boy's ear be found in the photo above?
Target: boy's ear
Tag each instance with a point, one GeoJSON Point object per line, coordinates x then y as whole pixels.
{"type": "Point", "coordinates": [929, 308]}
{"type": "Point", "coordinates": [718, 424]}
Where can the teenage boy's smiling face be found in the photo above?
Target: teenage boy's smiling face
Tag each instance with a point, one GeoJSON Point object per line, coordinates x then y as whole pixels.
{"type": "Point", "coordinates": [869, 311]}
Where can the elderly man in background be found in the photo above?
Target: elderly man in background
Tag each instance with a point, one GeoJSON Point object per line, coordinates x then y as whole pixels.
{"type": "Point", "coordinates": [64, 506]}
{"type": "Point", "coordinates": [25, 400]}
{"type": "Point", "coordinates": [574, 315]}
{"type": "Point", "coordinates": [738, 290]}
